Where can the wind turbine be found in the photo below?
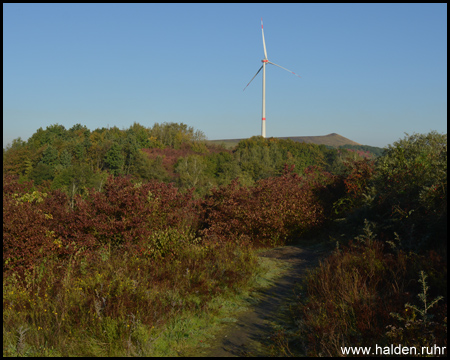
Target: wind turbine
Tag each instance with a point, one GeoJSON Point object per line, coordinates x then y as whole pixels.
{"type": "Point", "coordinates": [263, 67]}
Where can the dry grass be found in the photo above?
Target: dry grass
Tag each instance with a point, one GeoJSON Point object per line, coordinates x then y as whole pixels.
{"type": "Point", "coordinates": [118, 304]}
{"type": "Point", "coordinates": [350, 299]}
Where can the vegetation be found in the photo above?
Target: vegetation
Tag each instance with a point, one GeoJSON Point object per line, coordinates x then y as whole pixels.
{"type": "Point", "coordinates": [367, 150]}
{"type": "Point", "coordinates": [116, 242]}
{"type": "Point", "coordinates": [272, 212]}
{"type": "Point", "coordinates": [77, 159]}
{"type": "Point", "coordinates": [373, 290]}
{"type": "Point", "coordinates": [106, 276]}
{"type": "Point", "coordinates": [332, 140]}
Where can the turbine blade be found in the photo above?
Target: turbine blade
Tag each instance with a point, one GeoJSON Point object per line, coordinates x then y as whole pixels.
{"type": "Point", "coordinates": [264, 42]}
{"type": "Point", "coordinates": [253, 77]}
{"type": "Point", "coordinates": [284, 69]}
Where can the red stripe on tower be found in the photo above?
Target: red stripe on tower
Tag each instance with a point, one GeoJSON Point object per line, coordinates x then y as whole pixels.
{"type": "Point", "coordinates": [264, 118]}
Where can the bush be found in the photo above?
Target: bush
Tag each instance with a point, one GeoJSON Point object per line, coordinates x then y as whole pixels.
{"type": "Point", "coordinates": [411, 186]}
{"type": "Point", "coordinates": [275, 210]}
{"type": "Point", "coordinates": [356, 179]}
{"type": "Point", "coordinates": [26, 232]}
{"type": "Point", "coordinates": [122, 215]}
{"type": "Point", "coordinates": [351, 299]}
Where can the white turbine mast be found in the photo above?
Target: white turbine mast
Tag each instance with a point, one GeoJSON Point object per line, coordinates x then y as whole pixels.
{"type": "Point", "coordinates": [263, 67]}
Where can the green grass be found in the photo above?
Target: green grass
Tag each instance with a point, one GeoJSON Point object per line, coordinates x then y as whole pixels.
{"type": "Point", "coordinates": [125, 305]}
{"type": "Point", "coordinates": [198, 330]}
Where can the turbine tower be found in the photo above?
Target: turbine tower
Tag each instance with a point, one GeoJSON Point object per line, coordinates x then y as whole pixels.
{"type": "Point", "coordinates": [263, 67]}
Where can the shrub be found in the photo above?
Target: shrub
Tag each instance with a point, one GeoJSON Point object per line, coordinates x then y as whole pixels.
{"type": "Point", "coordinates": [27, 235]}
{"type": "Point", "coordinates": [411, 186]}
{"type": "Point", "coordinates": [354, 183]}
{"type": "Point", "coordinates": [270, 213]}
{"type": "Point", "coordinates": [368, 286]}
{"type": "Point", "coordinates": [125, 213]}
{"type": "Point", "coordinates": [121, 215]}
{"type": "Point", "coordinates": [417, 328]}
{"type": "Point", "coordinates": [348, 300]}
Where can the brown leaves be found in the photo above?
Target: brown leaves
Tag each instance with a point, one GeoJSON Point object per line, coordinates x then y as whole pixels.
{"type": "Point", "coordinates": [274, 210]}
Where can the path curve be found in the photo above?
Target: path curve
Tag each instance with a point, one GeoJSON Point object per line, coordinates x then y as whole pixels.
{"type": "Point", "coordinates": [246, 336]}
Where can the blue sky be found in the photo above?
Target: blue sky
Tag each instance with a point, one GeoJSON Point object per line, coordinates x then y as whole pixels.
{"type": "Point", "coordinates": [369, 72]}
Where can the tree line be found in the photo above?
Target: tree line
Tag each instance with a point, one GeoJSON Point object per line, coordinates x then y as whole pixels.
{"type": "Point", "coordinates": [77, 159]}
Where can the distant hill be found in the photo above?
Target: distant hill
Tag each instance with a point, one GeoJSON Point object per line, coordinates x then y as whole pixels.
{"type": "Point", "coordinates": [334, 140]}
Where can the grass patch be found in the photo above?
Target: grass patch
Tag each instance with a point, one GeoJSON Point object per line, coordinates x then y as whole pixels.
{"type": "Point", "coordinates": [120, 304]}
{"type": "Point", "coordinates": [228, 308]}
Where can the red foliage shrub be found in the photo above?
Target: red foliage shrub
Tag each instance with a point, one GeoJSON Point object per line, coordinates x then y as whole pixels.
{"type": "Point", "coordinates": [26, 231]}
{"type": "Point", "coordinates": [125, 213]}
{"type": "Point", "coordinates": [274, 210]}
{"type": "Point", "coordinates": [121, 215]}
{"type": "Point", "coordinates": [357, 179]}
{"type": "Point", "coordinates": [350, 187]}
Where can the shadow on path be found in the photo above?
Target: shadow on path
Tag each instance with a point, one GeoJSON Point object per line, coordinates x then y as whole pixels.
{"type": "Point", "coordinates": [247, 336]}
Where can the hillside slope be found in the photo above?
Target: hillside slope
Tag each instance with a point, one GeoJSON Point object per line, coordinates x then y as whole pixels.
{"type": "Point", "coordinates": [332, 139]}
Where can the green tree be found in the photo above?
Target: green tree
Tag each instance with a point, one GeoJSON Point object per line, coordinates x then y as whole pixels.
{"type": "Point", "coordinates": [78, 131]}
{"type": "Point", "coordinates": [41, 173]}
{"type": "Point", "coordinates": [174, 134]}
{"type": "Point", "coordinates": [65, 158]}
{"type": "Point", "coordinates": [98, 149]}
{"type": "Point", "coordinates": [222, 167]}
{"type": "Point", "coordinates": [412, 187]}
{"type": "Point", "coordinates": [115, 160]}
{"type": "Point", "coordinates": [17, 157]}
{"type": "Point", "coordinates": [190, 169]}
{"type": "Point", "coordinates": [77, 179]}
{"type": "Point", "coordinates": [140, 134]}
{"type": "Point", "coordinates": [262, 158]}
{"type": "Point", "coordinates": [130, 148]}
{"type": "Point", "coordinates": [50, 156]}
{"type": "Point", "coordinates": [37, 139]}
{"type": "Point", "coordinates": [148, 169]}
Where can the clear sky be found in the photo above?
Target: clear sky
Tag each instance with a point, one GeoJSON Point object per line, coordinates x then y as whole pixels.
{"type": "Point", "coordinates": [369, 72]}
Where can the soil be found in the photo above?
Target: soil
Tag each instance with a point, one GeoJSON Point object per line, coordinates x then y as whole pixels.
{"type": "Point", "coordinates": [248, 335]}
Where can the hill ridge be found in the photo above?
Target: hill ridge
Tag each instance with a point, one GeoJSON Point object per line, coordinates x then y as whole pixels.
{"type": "Point", "coordinates": [332, 139]}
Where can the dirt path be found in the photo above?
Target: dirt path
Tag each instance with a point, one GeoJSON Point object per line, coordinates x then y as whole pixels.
{"type": "Point", "coordinates": [246, 336]}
